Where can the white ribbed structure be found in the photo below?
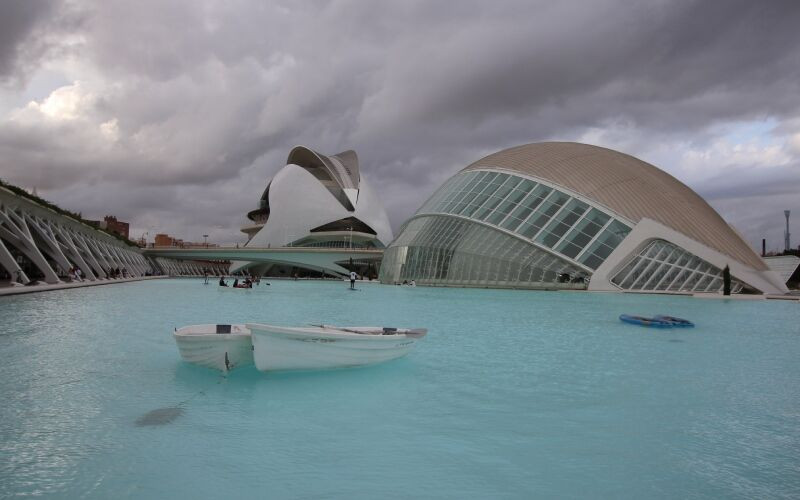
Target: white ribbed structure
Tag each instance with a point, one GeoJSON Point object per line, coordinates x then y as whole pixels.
{"type": "Point", "coordinates": [317, 201]}
{"type": "Point", "coordinates": [568, 215]}
{"type": "Point", "coordinates": [627, 186]}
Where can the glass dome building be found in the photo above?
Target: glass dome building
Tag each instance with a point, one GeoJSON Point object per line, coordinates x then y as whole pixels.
{"type": "Point", "coordinates": [568, 215]}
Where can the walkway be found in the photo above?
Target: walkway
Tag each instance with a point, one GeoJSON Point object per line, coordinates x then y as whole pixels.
{"type": "Point", "coordinates": [17, 290]}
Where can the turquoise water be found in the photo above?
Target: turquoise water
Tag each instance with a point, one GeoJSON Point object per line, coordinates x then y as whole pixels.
{"type": "Point", "coordinates": [514, 394]}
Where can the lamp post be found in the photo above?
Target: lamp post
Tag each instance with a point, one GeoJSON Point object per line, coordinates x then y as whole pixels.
{"type": "Point", "coordinates": [351, 237]}
{"type": "Point", "coordinates": [205, 240]}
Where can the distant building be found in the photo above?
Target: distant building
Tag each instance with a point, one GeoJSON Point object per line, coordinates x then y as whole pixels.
{"type": "Point", "coordinates": [164, 240]}
{"type": "Point", "coordinates": [569, 215]}
{"type": "Point", "coordinates": [111, 224]}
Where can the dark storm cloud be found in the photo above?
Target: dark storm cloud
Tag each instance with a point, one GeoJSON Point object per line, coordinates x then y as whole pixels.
{"type": "Point", "coordinates": [29, 31]}
{"type": "Point", "coordinates": [17, 19]}
{"type": "Point", "coordinates": [195, 101]}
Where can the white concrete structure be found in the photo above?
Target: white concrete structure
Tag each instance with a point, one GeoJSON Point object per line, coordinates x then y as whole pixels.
{"type": "Point", "coordinates": [786, 266]}
{"type": "Point", "coordinates": [317, 201]}
{"type": "Point", "coordinates": [52, 243]}
{"type": "Point", "coordinates": [568, 215]}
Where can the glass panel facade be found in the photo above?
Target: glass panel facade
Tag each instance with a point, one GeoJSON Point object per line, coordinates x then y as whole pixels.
{"type": "Point", "coordinates": [660, 266]}
{"type": "Point", "coordinates": [441, 250]}
{"type": "Point", "coordinates": [547, 216]}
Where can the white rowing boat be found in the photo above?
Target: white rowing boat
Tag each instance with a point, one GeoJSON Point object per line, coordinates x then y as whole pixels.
{"type": "Point", "coordinates": [322, 347]}
{"type": "Point", "coordinates": [223, 347]}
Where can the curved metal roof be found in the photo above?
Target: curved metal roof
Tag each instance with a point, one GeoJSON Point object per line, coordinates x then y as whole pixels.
{"type": "Point", "coordinates": [628, 186]}
{"type": "Point", "coordinates": [341, 167]}
{"type": "Point", "coordinates": [338, 172]}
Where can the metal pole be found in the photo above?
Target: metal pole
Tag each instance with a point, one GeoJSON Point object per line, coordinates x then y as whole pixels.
{"type": "Point", "coordinates": [788, 236]}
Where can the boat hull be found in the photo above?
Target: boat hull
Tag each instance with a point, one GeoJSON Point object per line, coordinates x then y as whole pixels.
{"type": "Point", "coordinates": [278, 349]}
{"type": "Point", "coordinates": [223, 352]}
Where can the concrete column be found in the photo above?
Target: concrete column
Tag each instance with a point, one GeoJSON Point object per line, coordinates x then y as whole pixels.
{"type": "Point", "coordinates": [135, 261]}
{"type": "Point", "coordinates": [113, 259]}
{"type": "Point", "coordinates": [78, 244]}
{"type": "Point", "coordinates": [49, 243]}
{"type": "Point", "coordinates": [71, 251]}
{"type": "Point", "coordinates": [8, 262]}
{"type": "Point", "coordinates": [121, 256]}
{"type": "Point", "coordinates": [19, 235]}
{"type": "Point", "coordinates": [102, 250]}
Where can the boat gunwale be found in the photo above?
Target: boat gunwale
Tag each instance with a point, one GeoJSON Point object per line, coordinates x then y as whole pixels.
{"type": "Point", "coordinates": [332, 333]}
{"type": "Point", "coordinates": [181, 333]}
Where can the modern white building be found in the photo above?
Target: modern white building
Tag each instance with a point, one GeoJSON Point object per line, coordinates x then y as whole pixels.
{"type": "Point", "coordinates": [569, 215]}
{"type": "Point", "coordinates": [317, 201]}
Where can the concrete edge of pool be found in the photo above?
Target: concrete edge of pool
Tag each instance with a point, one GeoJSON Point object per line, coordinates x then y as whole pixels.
{"type": "Point", "coordinates": [19, 290]}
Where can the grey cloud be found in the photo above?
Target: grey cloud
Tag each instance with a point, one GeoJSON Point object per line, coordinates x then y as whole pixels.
{"type": "Point", "coordinates": [208, 98]}
{"type": "Point", "coordinates": [17, 19]}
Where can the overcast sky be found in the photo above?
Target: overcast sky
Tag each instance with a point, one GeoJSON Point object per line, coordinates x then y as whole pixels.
{"type": "Point", "coordinates": [174, 114]}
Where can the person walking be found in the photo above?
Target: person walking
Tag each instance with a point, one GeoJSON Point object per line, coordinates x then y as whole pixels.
{"type": "Point", "coordinates": [353, 277]}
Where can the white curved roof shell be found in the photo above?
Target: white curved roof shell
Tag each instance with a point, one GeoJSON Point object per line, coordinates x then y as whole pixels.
{"type": "Point", "coordinates": [628, 186]}
{"type": "Point", "coordinates": [319, 190]}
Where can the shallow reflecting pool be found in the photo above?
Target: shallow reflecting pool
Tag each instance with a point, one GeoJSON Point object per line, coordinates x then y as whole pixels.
{"type": "Point", "coordinates": [513, 394]}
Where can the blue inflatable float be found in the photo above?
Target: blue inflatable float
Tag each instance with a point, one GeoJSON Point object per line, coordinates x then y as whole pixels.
{"type": "Point", "coordinates": [655, 322]}
{"type": "Point", "coordinates": [679, 322]}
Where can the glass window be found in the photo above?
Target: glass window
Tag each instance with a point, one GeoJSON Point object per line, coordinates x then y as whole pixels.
{"type": "Point", "coordinates": [658, 275]}
{"type": "Point", "coordinates": [456, 192]}
{"type": "Point", "coordinates": [677, 283]}
{"type": "Point", "coordinates": [582, 234]}
{"type": "Point", "coordinates": [692, 281]}
{"type": "Point", "coordinates": [482, 183]}
{"type": "Point", "coordinates": [445, 250]}
{"type": "Point", "coordinates": [654, 248]}
{"type": "Point", "coordinates": [542, 215]}
{"type": "Point", "coordinates": [641, 264]}
{"type": "Point", "coordinates": [673, 273]}
{"type": "Point", "coordinates": [665, 252]}
{"type": "Point", "coordinates": [645, 275]}
{"type": "Point", "coordinates": [526, 207]}
{"type": "Point", "coordinates": [605, 244]}
{"type": "Point", "coordinates": [562, 223]}
{"type": "Point", "coordinates": [715, 285]}
{"type": "Point", "coordinates": [511, 201]}
{"type": "Point", "coordinates": [496, 198]}
{"type": "Point", "coordinates": [617, 279]}
{"type": "Point", "coordinates": [704, 267]}
{"type": "Point", "coordinates": [704, 282]}
{"type": "Point", "coordinates": [675, 255]}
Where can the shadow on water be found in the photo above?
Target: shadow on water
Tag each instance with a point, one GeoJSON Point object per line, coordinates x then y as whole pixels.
{"type": "Point", "coordinates": [159, 416]}
{"type": "Point", "coordinates": [676, 341]}
{"type": "Point", "coordinates": [168, 414]}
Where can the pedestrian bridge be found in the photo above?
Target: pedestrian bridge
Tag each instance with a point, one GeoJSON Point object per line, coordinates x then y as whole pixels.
{"type": "Point", "coordinates": [321, 259]}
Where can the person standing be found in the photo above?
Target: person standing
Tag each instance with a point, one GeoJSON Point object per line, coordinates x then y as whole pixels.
{"type": "Point", "coordinates": [353, 280]}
